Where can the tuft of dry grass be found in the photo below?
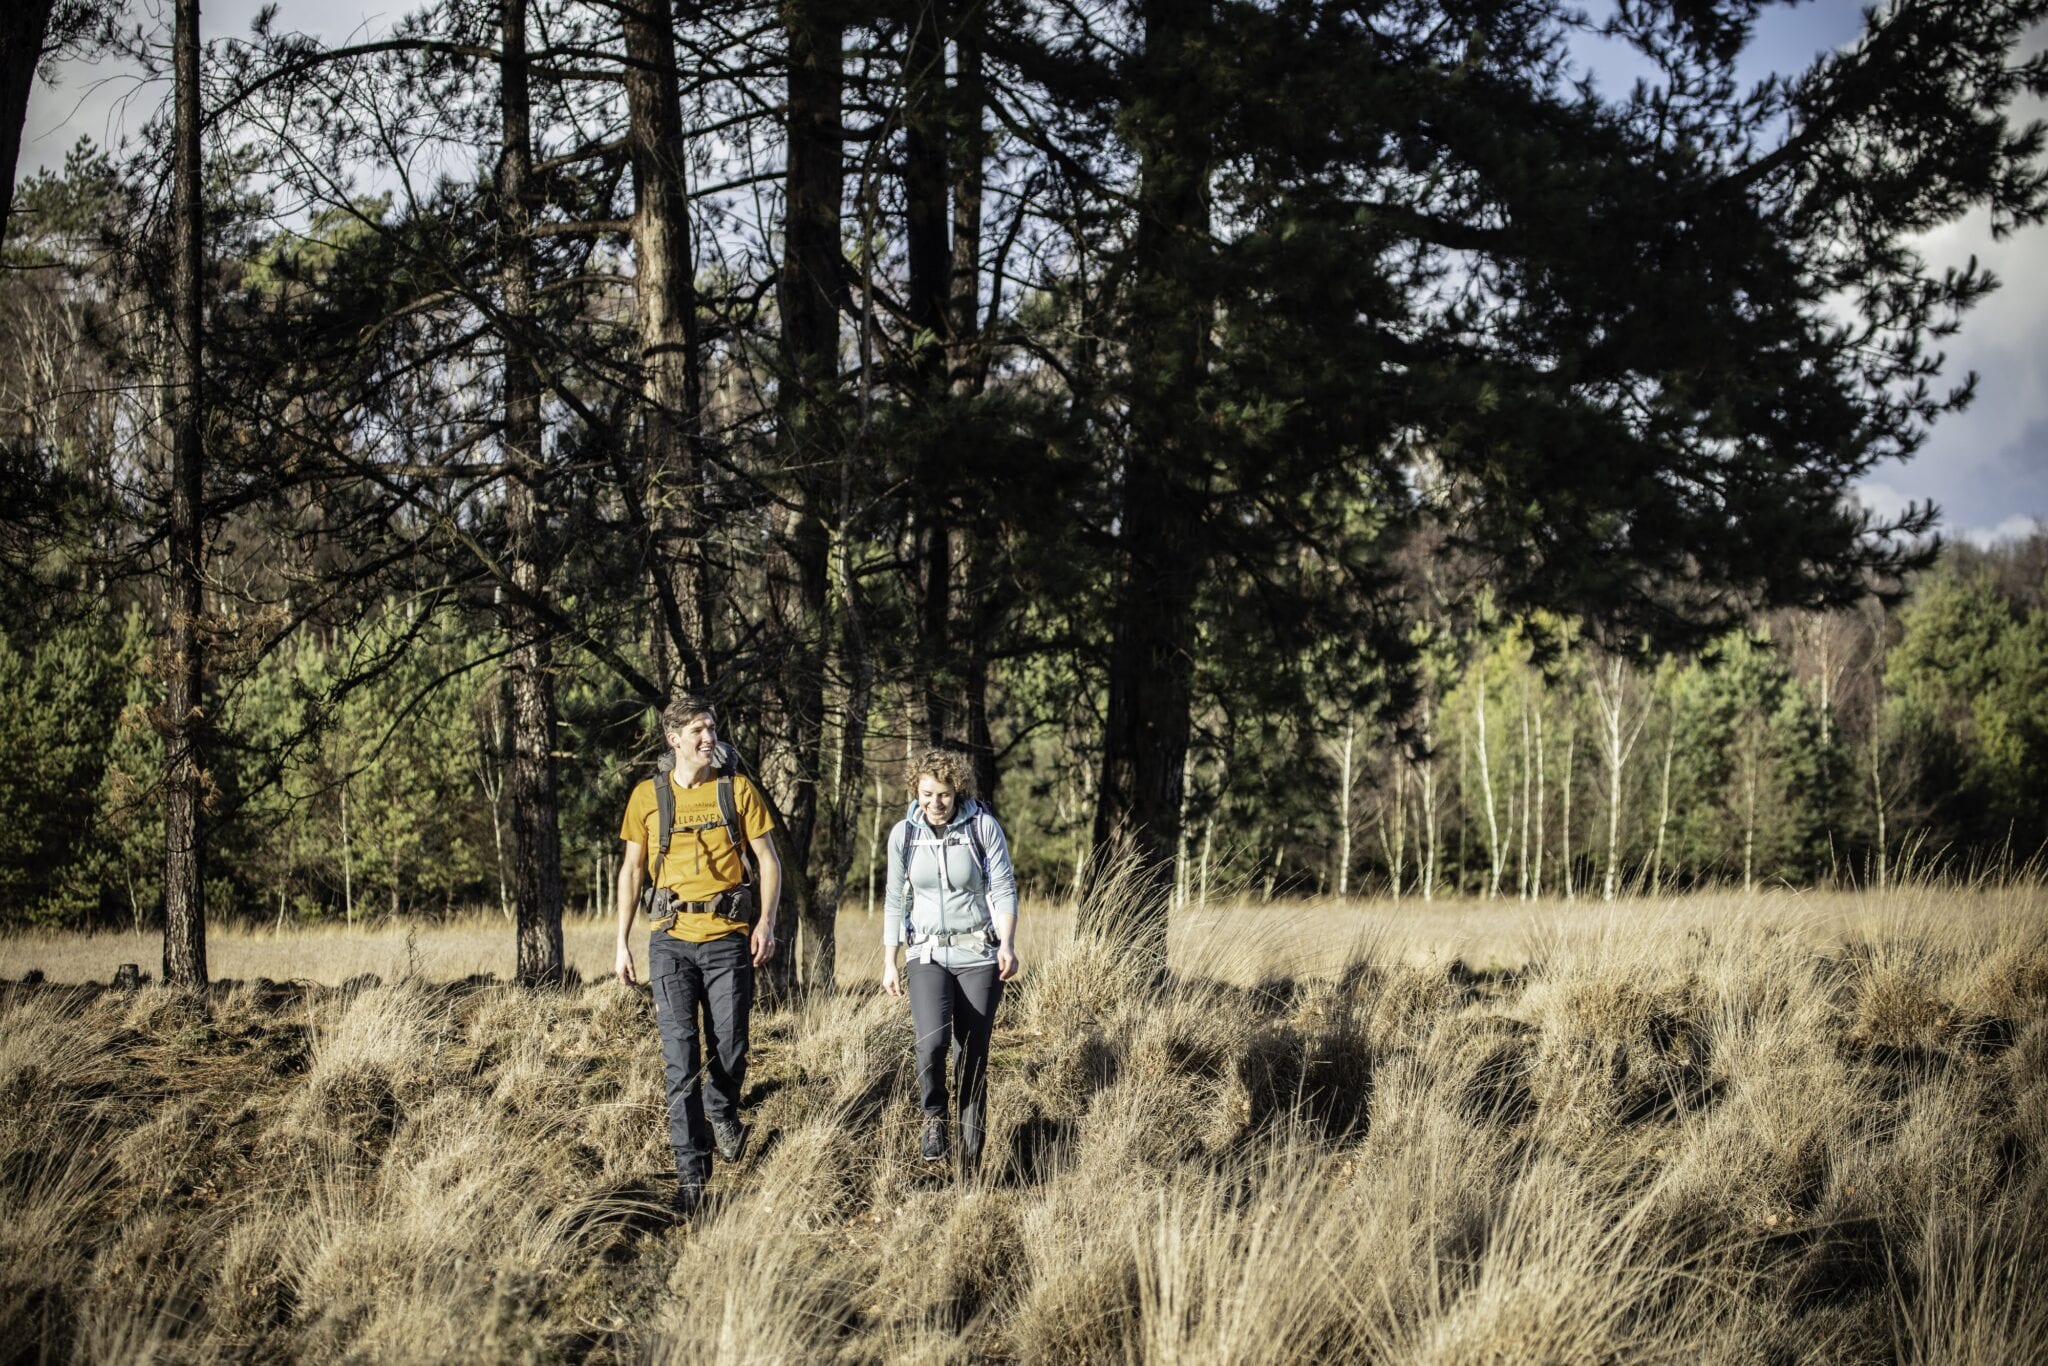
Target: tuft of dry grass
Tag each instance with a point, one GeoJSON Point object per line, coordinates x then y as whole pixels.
{"type": "Point", "coordinates": [1775, 1130]}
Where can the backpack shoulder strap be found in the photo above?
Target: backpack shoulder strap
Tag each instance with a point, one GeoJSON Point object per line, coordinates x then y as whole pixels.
{"type": "Point", "coordinates": [664, 816]}
{"type": "Point", "coordinates": [909, 828]}
{"type": "Point", "coordinates": [729, 812]}
{"type": "Point", "coordinates": [974, 838]}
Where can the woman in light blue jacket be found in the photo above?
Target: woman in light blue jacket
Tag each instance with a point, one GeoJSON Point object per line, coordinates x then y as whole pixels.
{"type": "Point", "coordinates": [952, 907]}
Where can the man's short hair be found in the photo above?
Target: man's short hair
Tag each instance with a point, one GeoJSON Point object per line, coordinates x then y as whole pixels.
{"type": "Point", "coordinates": [684, 708]}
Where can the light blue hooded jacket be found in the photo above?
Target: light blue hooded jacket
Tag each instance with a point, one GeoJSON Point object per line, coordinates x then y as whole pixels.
{"type": "Point", "coordinates": [930, 895]}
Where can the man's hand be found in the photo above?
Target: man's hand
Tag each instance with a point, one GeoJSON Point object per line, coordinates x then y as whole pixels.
{"type": "Point", "coordinates": [892, 980]}
{"type": "Point", "coordinates": [764, 943]}
{"type": "Point", "coordinates": [623, 964]}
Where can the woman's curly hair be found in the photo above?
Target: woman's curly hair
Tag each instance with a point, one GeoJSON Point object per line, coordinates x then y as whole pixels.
{"type": "Point", "coordinates": [948, 766]}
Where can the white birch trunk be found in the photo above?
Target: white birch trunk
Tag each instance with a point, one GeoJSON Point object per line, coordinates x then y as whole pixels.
{"type": "Point", "coordinates": [1494, 847]}
{"type": "Point", "coordinates": [494, 791]}
{"type": "Point", "coordinates": [1528, 780]}
{"type": "Point", "coordinates": [1616, 748]}
{"type": "Point", "coordinates": [1427, 773]}
{"type": "Point", "coordinates": [1394, 839]}
{"type": "Point", "coordinates": [1663, 809]}
{"type": "Point", "coordinates": [348, 883]}
{"type": "Point", "coordinates": [1571, 740]}
{"type": "Point", "coordinates": [1180, 868]}
{"type": "Point", "coordinates": [1344, 815]}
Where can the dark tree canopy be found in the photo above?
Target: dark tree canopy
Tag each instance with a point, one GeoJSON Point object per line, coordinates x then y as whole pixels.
{"type": "Point", "coordinates": [1137, 395]}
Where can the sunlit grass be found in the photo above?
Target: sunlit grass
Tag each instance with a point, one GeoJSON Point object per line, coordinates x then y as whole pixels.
{"type": "Point", "coordinates": [1239, 941]}
{"type": "Point", "coordinates": [1781, 1128]}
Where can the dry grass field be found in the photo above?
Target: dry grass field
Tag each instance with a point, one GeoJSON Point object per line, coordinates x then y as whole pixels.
{"type": "Point", "coordinates": [1776, 1129]}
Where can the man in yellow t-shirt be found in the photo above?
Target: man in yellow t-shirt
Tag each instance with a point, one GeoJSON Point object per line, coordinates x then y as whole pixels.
{"type": "Point", "coordinates": [701, 966]}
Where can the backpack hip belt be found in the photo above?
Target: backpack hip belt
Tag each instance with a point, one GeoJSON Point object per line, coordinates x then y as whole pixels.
{"type": "Point", "coordinates": [966, 940]}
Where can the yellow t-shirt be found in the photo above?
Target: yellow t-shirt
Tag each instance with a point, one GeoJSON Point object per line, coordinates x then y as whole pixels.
{"type": "Point", "coordinates": [701, 861]}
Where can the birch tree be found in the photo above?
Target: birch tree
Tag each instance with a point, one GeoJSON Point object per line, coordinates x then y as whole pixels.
{"type": "Point", "coordinates": [1622, 710]}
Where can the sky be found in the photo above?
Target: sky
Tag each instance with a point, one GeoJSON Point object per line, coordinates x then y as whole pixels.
{"type": "Point", "coordinates": [1986, 467]}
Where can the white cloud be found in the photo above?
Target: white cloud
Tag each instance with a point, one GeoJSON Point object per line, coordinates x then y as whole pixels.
{"type": "Point", "coordinates": [1979, 463]}
{"type": "Point", "coordinates": [2014, 528]}
{"type": "Point", "coordinates": [1881, 498]}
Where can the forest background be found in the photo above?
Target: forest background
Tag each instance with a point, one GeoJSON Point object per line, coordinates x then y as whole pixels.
{"type": "Point", "coordinates": [1328, 446]}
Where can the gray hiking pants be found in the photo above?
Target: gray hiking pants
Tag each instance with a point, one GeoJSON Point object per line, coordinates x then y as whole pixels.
{"type": "Point", "coordinates": [956, 1007]}
{"type": "Point", "coordinates": [714, 980]}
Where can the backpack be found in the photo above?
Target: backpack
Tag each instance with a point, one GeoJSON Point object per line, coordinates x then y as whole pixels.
{"type": "Point", "coordinates": [971, 808]}
{"type": "Point", "coordinates": [653, 896]}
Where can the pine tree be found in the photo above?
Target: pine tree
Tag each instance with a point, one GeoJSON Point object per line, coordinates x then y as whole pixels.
{"type": "Point", "coordinates": [1593, 338]}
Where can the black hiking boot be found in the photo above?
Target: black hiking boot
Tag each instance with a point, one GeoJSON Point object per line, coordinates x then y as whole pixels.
{"type": "Point", "coordinates": [684, 1203]}
{"type": "Point", "coordinates": [932, 1147]}
{"type": "Point", "coordinates": [731, 1137]}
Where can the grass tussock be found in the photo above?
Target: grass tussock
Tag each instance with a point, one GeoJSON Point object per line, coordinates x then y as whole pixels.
{"type": "Point", "coordinates": [1760, 1138]}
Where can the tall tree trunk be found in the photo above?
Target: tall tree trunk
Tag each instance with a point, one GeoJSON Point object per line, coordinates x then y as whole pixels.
{"type": "Point", "coordinates": [1827, 682]}
{"type": "Point", "coordinates": [929, 254]}
{"type": "Point", "coordinates": [490, 776]}
{"type": "Point", "coordinates": [1160, 542]}
{"type": "Point", "coordinates": [1536, 874]}
{"type": "Point", "coordinates": [1571, 739]}
{"type": "Point", "coordinates": [935, 537]}
{"type": "Point", "coordinates": [530, 779]}
{"type": "Point", "coordinates": [1877, 796]}
{"type": "Point", "coordinates": [1181, 866]}
{"type": "Point", "coordinates": [1427, 773]}
{"type": "Point", "coordinates": [671, 365]}
{"type": "Point", "coordinates": [1528, 779]}
{"type": "Point", "coordinates": [965, 371]}
{"type": "Point", "coordinates": [925, 108]}
{"type": "Point", "coordinates": [1663, 808]}
{"type": "Point", "coordinates": [1616, 760]}
{"type": "Point", "coordinates": [184, 704]}
{"type": "Point", "coordinates": [809, 291]}
{"type": "Point", "coordinates": [981, 744]}
{"type": "Point", "coordinates": [1394, 843]}
{"type": "Point", "coordinates": [1344, 811]}
{"type": "Point", "coordinates": [24, 24]}
{"type": "Point", "coordinates": [348, 876]}
{"type": "Point", "coordinates": [1751, 757]}
{"type": "Point", "coordinates": [1496, 847]}
{"type": "Point", "coordinates": [832, 855]}
{"type": "Point", "coordinates": [1617, 742]}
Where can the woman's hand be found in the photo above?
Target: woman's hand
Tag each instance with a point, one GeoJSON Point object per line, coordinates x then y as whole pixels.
{"type": "Point", "coordinates": [1008, 964]}
{"type": "Point", "coordinates": [892, 980]}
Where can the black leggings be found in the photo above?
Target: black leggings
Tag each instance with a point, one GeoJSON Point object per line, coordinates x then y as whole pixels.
{"type": "Point", "coordinates": [957, 1006]}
